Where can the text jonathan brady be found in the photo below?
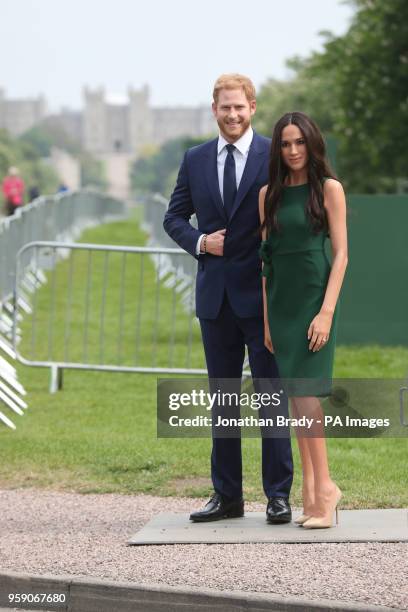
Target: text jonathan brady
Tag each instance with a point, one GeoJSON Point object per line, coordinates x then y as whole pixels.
{"type": "Point", "coordinates": [278, 421]}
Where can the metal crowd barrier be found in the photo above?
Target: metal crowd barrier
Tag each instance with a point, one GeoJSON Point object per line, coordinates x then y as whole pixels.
{"type": "Point", "coordinates": [60, 217]}
{"type": "Point", "coordinates": [109, 308]}
{"type": "Point", "coordinates": [154, 208]}
{"type": "Point", "coordinates": [103, 307]}
{"type": "Point", "coordinates": [137, 305]}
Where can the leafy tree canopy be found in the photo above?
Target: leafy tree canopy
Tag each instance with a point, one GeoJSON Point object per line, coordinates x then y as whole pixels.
{"type": "Point", "coordinates": [357, 90]}
{"type": "Point", "coordinates": [14, 152]}
{"type": "Point", "coordinates": [157, 172]}
{"type": "Point", "coordinates": [48, 134]}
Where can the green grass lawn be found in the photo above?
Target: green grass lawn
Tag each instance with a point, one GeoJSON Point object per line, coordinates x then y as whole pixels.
{"type": "Point", "coordinates": [99, 433]}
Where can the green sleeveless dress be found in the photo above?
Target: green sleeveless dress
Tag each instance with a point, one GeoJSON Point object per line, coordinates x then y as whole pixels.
{"type": "Point", "coordinates": [297, 270]}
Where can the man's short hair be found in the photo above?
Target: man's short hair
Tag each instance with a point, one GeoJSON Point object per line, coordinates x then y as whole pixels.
{"type": "Point", "coordinates": [234, 81]}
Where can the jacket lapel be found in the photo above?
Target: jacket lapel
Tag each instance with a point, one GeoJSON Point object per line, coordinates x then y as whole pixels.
{"type": "Point", "coordinates": [211, 172]}
{"type": "Point", "coordinates": [254, 163]}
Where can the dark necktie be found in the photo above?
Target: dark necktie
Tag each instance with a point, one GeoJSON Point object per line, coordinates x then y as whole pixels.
{"type": "Point", "coordinates": [230, 180]}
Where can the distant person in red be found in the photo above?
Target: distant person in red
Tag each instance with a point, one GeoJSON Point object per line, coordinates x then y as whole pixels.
{"type": "Point", "coordinates": [13, 190]}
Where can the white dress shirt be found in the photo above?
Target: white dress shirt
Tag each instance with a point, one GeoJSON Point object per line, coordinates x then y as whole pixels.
{"type": "Point", "coordinates": [240, 154]}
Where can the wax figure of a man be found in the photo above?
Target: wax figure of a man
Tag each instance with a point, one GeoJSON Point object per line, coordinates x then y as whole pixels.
{"type": "Point", "coordinates": [219, 181]}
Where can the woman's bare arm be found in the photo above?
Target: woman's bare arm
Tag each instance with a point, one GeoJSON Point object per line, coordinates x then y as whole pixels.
{"type": "Point", "coordinates": [335, 206]}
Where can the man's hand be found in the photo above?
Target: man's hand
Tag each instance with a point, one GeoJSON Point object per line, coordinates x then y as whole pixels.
{"type": "Point", "coordinates": [215, 242]}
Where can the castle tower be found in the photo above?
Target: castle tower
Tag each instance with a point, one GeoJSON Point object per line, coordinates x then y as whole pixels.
{"type": "Point", "coordinates": [94, 121]}
{"type": "Point", "coordinates": [140, 119]}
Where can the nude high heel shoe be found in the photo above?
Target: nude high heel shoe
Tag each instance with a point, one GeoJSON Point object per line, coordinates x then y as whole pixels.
{"type": "Point", "coordinates": [302, 519]}
{"type": "Point", "coordinates": [324, 522]}
{"type": "Point", "coordinates": [304, 516]}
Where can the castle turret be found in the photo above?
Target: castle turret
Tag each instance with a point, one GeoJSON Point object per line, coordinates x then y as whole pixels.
{"type": "Point", "coordinates": [140, 119]}
{"type": "Point", "coordinates": [94, 121]}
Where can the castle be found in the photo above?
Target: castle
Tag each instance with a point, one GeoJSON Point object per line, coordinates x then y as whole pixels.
{"type": "Point", "coordinates": [107, 126]}
{"type": "Point", "coordinates": [18, 116]}
{"type": "Point", "coordinates": [117, 132]}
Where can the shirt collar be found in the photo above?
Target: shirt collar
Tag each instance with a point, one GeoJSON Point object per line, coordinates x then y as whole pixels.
{"type": "Point", "coordinates": [242, 144]}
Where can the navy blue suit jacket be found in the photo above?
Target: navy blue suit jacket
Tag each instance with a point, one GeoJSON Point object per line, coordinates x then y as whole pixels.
{"type": "Point", "coordinates": [238, 271]}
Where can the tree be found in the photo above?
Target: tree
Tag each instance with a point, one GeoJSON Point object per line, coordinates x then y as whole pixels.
{"type": "Point", "coordinates": [370, 64]}
{"type": "Point", "coordinates": [14, 152]}
{"type": "Point", "coordinates": [47, 134]}
{"type": "Point", "coordinates": [356, 90]}
{"type": "Point", "coordinates": [313, 94]}
{"type": "Point", "coordinates": [158, 172]}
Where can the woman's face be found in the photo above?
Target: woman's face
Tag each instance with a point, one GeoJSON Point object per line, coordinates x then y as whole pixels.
{"type": "Point", "coordinates": [293, 148]}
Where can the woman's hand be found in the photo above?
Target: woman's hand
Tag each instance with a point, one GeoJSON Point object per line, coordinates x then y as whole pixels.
{"type": "Point", "coordinates": [319, 330]}
{"type": "Point", "coordinates": [267, 339]}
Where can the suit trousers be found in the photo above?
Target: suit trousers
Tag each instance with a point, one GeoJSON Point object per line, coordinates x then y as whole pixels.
{"type": "Point", "coordinates": [224, 340]}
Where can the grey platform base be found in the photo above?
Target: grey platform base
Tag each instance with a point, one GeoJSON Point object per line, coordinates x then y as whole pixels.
{"type": "Point", "coordinates": [354, 526]}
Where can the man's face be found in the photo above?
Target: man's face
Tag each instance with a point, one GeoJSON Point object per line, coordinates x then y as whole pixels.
{"type": "Point", "coordinates": [233, 113]}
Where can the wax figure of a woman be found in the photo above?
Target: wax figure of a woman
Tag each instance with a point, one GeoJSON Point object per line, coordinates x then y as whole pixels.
{"type": "Point", "coordinates": [302, 205]}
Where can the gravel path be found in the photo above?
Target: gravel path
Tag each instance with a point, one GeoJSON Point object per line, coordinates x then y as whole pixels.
{"type": "Point", "coordinates": [47, 532]}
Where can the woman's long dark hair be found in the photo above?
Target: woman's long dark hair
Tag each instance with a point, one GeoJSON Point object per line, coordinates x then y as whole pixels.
{"type": "Point", "coordinates": [318, 168]}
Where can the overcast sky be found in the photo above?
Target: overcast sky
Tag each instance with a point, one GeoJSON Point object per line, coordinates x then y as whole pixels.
{"type": "Point", "coordinates": [178, 47]}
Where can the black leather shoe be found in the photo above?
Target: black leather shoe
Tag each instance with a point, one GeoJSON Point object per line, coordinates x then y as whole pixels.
{"type": "Point", "coordinates": [219, 508]}
{"type": "Point", "coordinates": [278, 511]}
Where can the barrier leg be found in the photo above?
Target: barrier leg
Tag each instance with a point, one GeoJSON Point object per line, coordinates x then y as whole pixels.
{"type": "Point", "coordinates": [56, 379]}
{"type": "Point", "coordinates": [402, 419]}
